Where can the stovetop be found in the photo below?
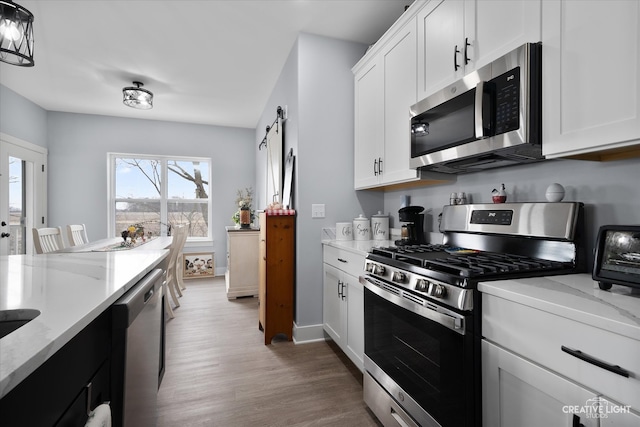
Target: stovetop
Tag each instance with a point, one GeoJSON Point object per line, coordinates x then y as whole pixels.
{"type": "Point", "coordinates": [464, 262]}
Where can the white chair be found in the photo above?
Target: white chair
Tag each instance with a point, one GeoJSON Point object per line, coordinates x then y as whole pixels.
{"type": "Point", "coordinates": [179, 237]}
{"type": "Point", "coordinates": [47, 239]}
{"type": "Point", "coordinates": [77, 234]}
{"type": "Point", "coordinates": [179, 283]}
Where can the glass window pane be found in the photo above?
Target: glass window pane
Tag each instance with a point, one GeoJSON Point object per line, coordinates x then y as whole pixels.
{"type": "Point", "coordinates": [145, 213]}
{"type": "Point", "coordinates": [188, 179]}
{"type": "Point", "coordinates": [137, 178]}
{"type": "Point", "coordinates": [195, 215]}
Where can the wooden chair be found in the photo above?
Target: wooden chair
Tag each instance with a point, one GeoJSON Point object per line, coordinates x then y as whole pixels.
{"type": "Point", "coordinates": [179, 238]}
{"type": "Point", "coordinates": [77, 234]}
{"type": "Point", "coordinates": [47, 239]}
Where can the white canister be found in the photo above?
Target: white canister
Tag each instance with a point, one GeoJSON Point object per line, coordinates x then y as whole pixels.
{"type": "Point", "coordinates": [380, 226]}
{"type": "Point", "coordinates": [344, 231]}
{"type": "Point", "coordinates": [361, 228]}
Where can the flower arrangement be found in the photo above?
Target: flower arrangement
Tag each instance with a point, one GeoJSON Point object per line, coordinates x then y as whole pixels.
{"type": "Point", "coordinates": [244, 216]}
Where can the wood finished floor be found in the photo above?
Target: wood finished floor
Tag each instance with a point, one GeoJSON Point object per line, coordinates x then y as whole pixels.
{"type": "Point", "coordinates": [220, 373]}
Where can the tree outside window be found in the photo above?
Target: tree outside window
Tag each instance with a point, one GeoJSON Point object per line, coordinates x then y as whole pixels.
{"type": "Point", "coordinates": [159, 192]}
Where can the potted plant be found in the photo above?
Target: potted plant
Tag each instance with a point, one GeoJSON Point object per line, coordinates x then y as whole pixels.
{"type": "Point", "coordinates": [244, 215]}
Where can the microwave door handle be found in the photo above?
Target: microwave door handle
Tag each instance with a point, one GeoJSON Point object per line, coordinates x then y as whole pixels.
{"type": "Point", "coordinates": [478, 111]}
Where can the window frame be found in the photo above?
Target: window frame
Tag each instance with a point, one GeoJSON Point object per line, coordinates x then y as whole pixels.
{"type": "Point", "coordinates": [163, 199]}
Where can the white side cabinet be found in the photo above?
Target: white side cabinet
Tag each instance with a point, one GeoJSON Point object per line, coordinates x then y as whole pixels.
{"type": "Point", "coordinates": [343, 302]}
{"type": "Point", "coordinates": [541, 368]}
{"type": "Point", "coordinates": [242, 277]}
{"type": "Point", "coordinates": [455, 37]}
{"type": "Point", "coordinates": [591, 85]}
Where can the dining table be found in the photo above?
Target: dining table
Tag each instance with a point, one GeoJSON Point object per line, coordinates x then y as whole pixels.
{"type": "Point", "coordinates": [113, 244]}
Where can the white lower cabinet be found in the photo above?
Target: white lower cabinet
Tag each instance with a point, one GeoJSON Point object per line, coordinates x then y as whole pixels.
{"type": "Point", "coordinates": [343, 304]}
{"type": "Point", "coordinates": [543, 369]}
{"type": "Point", "coordinates": [517, 392]}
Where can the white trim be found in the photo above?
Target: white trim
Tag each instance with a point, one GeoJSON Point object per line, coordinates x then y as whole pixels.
{"type": "Point", "coordinates": [24, 144]}
{"type": "Point", "coordinates": [308, 334]}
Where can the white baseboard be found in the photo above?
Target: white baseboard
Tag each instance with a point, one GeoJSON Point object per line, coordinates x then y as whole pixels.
{"type": "Point", "coordinates": [307, 334]}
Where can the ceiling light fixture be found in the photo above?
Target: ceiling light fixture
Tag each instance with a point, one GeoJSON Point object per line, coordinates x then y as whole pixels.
{"type": "Point", "coordinates": [136, 97]}
{"type": "Point", "coordinates": [16, 34]}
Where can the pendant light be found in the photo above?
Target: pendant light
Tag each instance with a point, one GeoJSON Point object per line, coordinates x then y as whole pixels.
{"type": "Point", "coordinates": [136, 97]}
{"type": "Point", "coordinates": [16, 34]}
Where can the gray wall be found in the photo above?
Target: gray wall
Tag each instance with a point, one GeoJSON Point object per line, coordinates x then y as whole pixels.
{"type": "Point", "coordinates": [609, 190]}
{"type": "Point", "coordinates": [317, 86]}
{"type": "Point", "coordinates": [78, 147]}
{"type": "Point", "coordinates": [21, 118]}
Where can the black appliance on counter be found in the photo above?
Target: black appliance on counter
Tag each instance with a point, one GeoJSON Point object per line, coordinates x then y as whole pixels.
{"type": "Point", "coordinates": [412, 230]}
{"type": "Point", "coordinates": [422, 308]}
{"type": "Point", "coordinates": [617, 256]}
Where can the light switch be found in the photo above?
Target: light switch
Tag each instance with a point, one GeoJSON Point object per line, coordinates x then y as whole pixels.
{"type": "Point", "coordinates": [317, 210]}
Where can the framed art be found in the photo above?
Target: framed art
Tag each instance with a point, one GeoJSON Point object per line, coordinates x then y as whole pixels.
{"type": "Point", "coordinates": [198, 265]}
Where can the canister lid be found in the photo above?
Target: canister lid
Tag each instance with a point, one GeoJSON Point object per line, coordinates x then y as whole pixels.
{"type": "Point", "coordinates": [361, 217]}
{"type": "Point", "coordinates": [380, 215]}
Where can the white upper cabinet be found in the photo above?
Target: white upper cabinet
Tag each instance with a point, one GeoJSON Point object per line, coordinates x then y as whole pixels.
{"type": "Point", "coordinates": [591, 83]}
{"type": "Point", "coordinates": [457, 36]}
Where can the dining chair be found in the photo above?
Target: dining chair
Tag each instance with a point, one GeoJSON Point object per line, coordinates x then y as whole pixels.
{"type": "Point", "coordinates": [179, 283]}
{"type": "Point", "coordinates": [47, 239]}
{"type": "Point", "coordinates": [179, 237]}
{"type": "Point", "coordinates": [77, 234]}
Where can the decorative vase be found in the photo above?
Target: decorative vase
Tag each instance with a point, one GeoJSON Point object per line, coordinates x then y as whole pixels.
{"type": "Point", "coordinates": [245, 218]}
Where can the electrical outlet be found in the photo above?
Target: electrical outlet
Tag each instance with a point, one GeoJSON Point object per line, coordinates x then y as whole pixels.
{"type": "Point", "coordinates": [317, 211]}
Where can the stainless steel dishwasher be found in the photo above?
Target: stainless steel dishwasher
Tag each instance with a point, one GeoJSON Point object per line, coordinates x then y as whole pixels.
{"type": "Point", "coordinates": [136, 352]}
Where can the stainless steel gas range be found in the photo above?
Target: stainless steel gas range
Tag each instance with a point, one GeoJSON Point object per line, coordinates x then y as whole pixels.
{"type": "Point", "coordinates": [422, 309]}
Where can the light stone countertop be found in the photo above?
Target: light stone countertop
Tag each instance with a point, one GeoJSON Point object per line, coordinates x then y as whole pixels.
{"type": "Point", "coordinates": [70, 290]}
{"type": "Point", "coordinates": [360, 247]}
{"type": "Point", "coordinates": [576, 297]}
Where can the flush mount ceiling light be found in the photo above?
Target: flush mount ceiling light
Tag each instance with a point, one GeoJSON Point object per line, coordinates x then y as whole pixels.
{"type": "Point", "coordinates": [16, 34]}
{"type": "Point", "coordinates": [136, 97]}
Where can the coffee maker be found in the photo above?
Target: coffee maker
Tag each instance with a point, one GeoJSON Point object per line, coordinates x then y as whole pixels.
{"type": "Point", "coordinates": [412, 231]}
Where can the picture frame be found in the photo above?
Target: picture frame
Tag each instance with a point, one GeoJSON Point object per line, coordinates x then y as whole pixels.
{"type": "Point", "coordinates": [198, 264]}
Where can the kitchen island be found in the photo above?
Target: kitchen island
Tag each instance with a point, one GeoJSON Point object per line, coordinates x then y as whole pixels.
{"type": "Point", "coordinates": [70, 290]}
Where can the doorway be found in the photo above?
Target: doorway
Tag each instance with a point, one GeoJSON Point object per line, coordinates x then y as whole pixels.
{"type": "Point", "coordinates": [23, 199]}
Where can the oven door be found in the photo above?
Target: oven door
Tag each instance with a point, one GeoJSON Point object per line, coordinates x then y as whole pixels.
{"type": "Point", "coordinates": [424, 355]}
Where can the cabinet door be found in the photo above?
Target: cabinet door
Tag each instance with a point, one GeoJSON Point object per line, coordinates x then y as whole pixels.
{"type": "Point", "coordinates": [369, 115]}
{"type": "Point", "coordinates": [496, 27]}
{"type": "Point", "coordinates": [617, 415]}
{"type": "Point", "coordinates": [516, 392]}
{"type": "Point", "coordinates": [591, 68]}
{"type": "Point", "coordinates": [400, 79]}
{"type": "Point", "coordinates": [440, 34]}
{"type": "Point", "coordinates": [355, 320]}
{"type": "Point", "coordinates": [332, 304]}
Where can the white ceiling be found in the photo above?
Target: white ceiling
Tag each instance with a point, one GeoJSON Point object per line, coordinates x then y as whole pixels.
{"type": "Point", "coordinates": [210, 61]}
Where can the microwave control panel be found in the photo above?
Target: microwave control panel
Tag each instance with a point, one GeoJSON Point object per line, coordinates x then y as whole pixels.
{"type": "Point", "coordinates": [507, 87]}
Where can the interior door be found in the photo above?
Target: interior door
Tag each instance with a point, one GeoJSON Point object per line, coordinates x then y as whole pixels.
{"type": "Point", "coordinates": [22, 194]}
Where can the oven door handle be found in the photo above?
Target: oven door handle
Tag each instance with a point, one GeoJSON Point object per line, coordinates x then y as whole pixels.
{"type": "Point", "coordinates": [480, 126]}
{"type": "Point", "coordinates": [444, 317]}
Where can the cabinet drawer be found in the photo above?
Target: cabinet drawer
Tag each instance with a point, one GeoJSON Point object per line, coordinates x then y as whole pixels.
{"type": "Point", "coordinates": [540, 337]}
{"type": "Point", "coordinates": [349, 262]}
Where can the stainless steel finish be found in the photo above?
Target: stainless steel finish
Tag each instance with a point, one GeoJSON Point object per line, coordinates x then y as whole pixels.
{"type": "Point", "coordinates": [453, 296]}
{"type": "Point", "coordinates": [510, 140]}
{"type": "Point", "coordinates": [383, 396]}
{"type": "Point", "coordinates": [479, 124]}
{"type": "Point", "coordinates": [140, 312]}
{"type": "Point", "coordinates": [544, 220]}
{"type": "Point", "coordinates": [415, 304]}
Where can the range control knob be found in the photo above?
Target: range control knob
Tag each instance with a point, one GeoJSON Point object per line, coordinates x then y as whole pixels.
{"type": "Point", "coordinates": [422, 285]}
{"type": "Point", "coordinates": [379, 269]}
{"type": "Point", "coordinates": [369, 267]}
{"type": "Point", "coordinates": [398, 277]}
{"type": "Point", "coordinates": [437, 291]}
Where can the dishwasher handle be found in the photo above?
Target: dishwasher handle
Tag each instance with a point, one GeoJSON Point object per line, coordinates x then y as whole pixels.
{"type": "Point", "coordinates": [127, 308]}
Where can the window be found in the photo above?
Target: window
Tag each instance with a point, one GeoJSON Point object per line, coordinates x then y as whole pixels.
{"type": "Point", "coordinates": [159, 191]}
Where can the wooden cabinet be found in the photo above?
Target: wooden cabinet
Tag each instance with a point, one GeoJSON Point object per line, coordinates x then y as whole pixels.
{"type": "Point", "coordinates": [59, 391]}
{"type": "Point", "coordinates": [385, 88]}
{"type": "Point", "coordinates": [343, 302]}
{"type": "Point", "coordinates": [277, 274]}
{"type": "Point", "coordinates": [457, 36]}
{"type": "Point", "coordinates": [591, 85]}
{"type": "Point", "coordinates": [243, 253]}
{"type": "Point", "coordinates": [536, 366]}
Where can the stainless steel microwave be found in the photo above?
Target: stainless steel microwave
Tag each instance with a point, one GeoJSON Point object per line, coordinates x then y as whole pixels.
{"type": "Point", "coordinates": [489, 118]}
